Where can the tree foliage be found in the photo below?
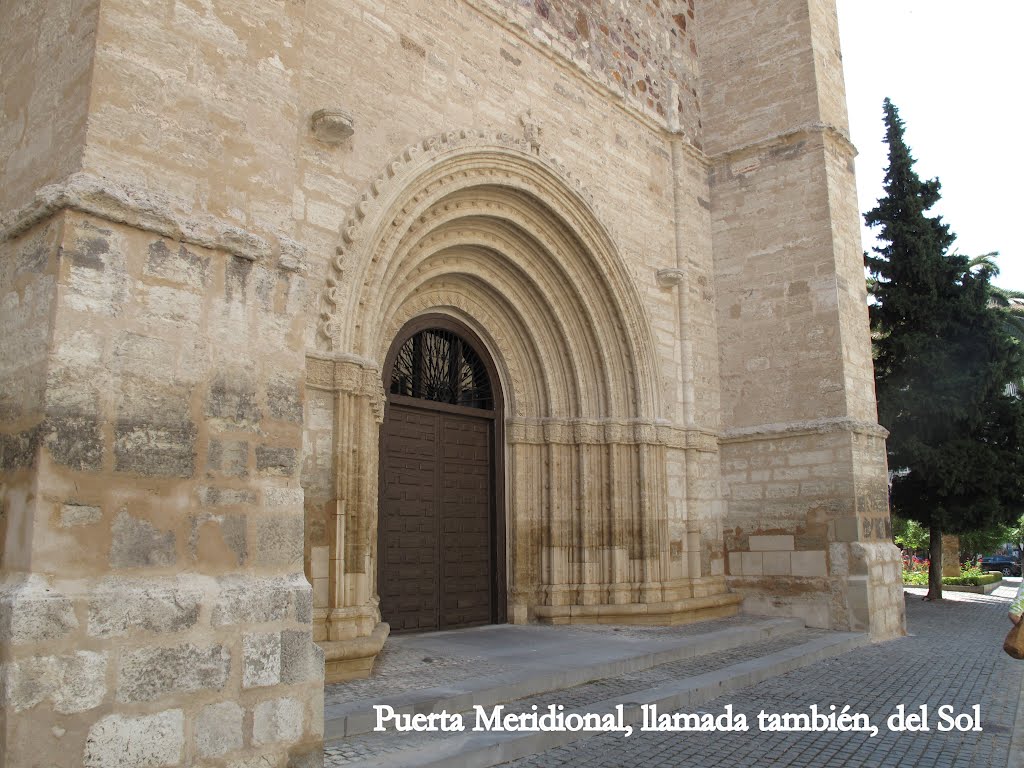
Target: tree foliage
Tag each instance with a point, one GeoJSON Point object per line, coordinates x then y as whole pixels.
{"type": "Point", "coordinates": [943, 359]}
{"type": "Point", "coordinates": [909, 534]}
{"type": "Point", "coordinates": [986, 541]}
{"type": "Point", "coordinates": [1009, 303]}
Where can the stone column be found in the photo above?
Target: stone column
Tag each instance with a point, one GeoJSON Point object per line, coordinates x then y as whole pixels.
{"type": "Point", "coordinates": [590, 528]}
{"type": "Point", "coordinates": [153, 608]}
{"type": "Point", "coordinates": [349, 628]}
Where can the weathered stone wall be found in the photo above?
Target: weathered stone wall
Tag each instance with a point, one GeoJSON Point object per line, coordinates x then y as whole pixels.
{"type": "Point", "coordinates": [828, 64]}
{"type": "Point", "coordinates": [199, 102]}
{"type": "Point", "coordinates": [807, 529]}
{"type": "Point", "coordinates": [781, 350]}
{"type": "Point", "coordinates": [758, 55]}
{"type": "Point", "coordinates": [46, 55]}
{"type": "Point", "coordinates": [28, 274]}
{"type": "Point", "coordinates": [153, 605]}
{"type": "Point", "coordinates": [645, 52]}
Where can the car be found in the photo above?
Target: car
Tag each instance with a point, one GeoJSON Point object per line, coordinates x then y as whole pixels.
{"type": "Point", "coordinates": [1006, 565]}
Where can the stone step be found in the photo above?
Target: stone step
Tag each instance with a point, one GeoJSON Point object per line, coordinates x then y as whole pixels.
{"type": "Point", "coordinates": [575, 662]}
{"type": "Point", "coordinates": [683, 684]}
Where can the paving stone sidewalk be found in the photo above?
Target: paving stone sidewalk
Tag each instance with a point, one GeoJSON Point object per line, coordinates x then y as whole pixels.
{"type": "Point", "coordinates": [404, 666]}
{"type": "Point", "coordinates": [951, 656]}
{"type": "Point", "coordinates": [355, 748]}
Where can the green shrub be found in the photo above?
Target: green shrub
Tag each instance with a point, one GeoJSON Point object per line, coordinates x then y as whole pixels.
{"type": "Point", "coordinates": [916, 578]}
{"type": "Point", "coordinates": [920, 579]}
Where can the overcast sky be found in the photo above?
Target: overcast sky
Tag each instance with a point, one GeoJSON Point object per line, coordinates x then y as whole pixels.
{"type": "Point", "coordinates": [952, 70]}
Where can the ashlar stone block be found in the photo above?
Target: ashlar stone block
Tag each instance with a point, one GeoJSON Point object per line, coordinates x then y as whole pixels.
{"type": "Point", "coordinates": [771, 543]}
{"type": "Point", "coordinates": [137, 543]}
{"type": "Point", "coordinates": [75, 683]}
{"type": "Point", "coordinates": [218, 729]}
{"type": "Point", "coordinates": [301, 658]}
{"type": "Point", "coordinates": [72, 515]}
{"type": "Point", "coordinates": [277, 720]}
{"type": "Point", "coordinates": [149, 673]}
{"type": "Point", "coordinates": [809, 564]}
{"type": "Point", "coordinates": [120, 606]}
{"type": "Point", "coordinates": [262, 659]}
{"type": "Point", "coordinates": [149, 741]}
{"type": "Point", "coordinates": [31, 612]}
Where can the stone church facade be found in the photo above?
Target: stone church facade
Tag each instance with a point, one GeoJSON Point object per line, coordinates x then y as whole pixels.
{"type": "Point", "coordinates": [326, 316]}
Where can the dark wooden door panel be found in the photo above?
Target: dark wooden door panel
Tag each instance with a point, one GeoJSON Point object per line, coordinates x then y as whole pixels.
{"type": "Point", "coordinates": [465, 487]}
{"type": "Point", "coordinates": [409, 540]}
{"type": "Point", "coordinates": [436, 543]}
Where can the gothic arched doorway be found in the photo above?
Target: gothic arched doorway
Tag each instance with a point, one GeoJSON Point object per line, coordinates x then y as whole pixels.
{"type": "Point", "coordinates": [441, 553]}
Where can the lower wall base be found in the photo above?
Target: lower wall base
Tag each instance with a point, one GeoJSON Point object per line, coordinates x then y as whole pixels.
{"type": "Point", "coordinates": [865, 595]}
{"type": "Point", "coordinates": [171, 671]}
{"type": "Point", "coordinates": [663, 614]}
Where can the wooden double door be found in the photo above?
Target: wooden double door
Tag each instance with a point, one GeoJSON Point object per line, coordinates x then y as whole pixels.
{"type": "Point", "coordinates": [440, 551]}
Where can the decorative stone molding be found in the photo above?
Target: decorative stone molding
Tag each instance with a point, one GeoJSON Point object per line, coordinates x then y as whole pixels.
{"type": "Point", "coordinates": [474, 312]}
{"type": "Point", "coordinates": [809, 427]}
{"type": "Point", "coordinates": [608, 432]}
{"type": "Point", "coordinates": [352, 659]}
{"type": "Point", "coordinates": [332, 126]}
{"type": "Point", "coordinates": [531, 129]}
{"type": "Point", "coordinates": [747, 153]}
{"type": "Point", "coordinates": [664, 613]}
{"type": "Point", "coordinates": [148, 211]}
{"type": "Point", "coordinates": [293, 255]}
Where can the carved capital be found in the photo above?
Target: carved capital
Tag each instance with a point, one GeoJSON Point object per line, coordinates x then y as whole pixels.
{"type": "Point", "coordinates": [350, 375]}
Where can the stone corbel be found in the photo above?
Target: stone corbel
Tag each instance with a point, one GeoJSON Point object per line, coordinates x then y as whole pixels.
{"type": "Point", "coordinates": [670, 278]}
{"type": "Point", "coordinates": [332, 126]}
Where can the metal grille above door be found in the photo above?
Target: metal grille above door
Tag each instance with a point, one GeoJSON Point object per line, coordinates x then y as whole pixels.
{"type": "Point", "coordinates": [438, 365]}
{"type": "Point", "coordinates": [440, 547]}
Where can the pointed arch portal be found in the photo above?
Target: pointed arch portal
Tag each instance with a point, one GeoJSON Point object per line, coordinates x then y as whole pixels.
{"type": "Point", "coordinates": [480, 236]}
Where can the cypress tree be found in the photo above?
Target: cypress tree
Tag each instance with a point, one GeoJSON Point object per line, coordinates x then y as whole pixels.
{"type": "Point", "coordinates": [943, 359]}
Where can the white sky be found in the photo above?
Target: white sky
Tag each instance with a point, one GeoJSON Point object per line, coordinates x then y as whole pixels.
{"type": "Point", "coordinates": [952, 70]}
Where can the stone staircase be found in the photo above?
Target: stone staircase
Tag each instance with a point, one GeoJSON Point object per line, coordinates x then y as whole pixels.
{"type": "Point", "coordinates": [594, 670]}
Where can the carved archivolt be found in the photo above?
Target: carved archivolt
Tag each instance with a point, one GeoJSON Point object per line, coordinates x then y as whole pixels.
{"type": "Point", "coordinates": [498, 232]}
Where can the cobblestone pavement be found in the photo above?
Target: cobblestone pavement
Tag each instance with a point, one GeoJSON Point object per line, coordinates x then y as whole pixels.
{"type": "Point", "coordinates": [372, 744]}
{"type": "Point", "coordinates": [951, 656]}
{"type": "Point", "coordinates": [401, 666]}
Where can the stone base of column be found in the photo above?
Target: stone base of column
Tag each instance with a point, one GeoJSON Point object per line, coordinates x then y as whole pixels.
{"type": "Point", "coordinates": [353, 659]}
{"type": "Point", "coordinates": [875, 589]}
